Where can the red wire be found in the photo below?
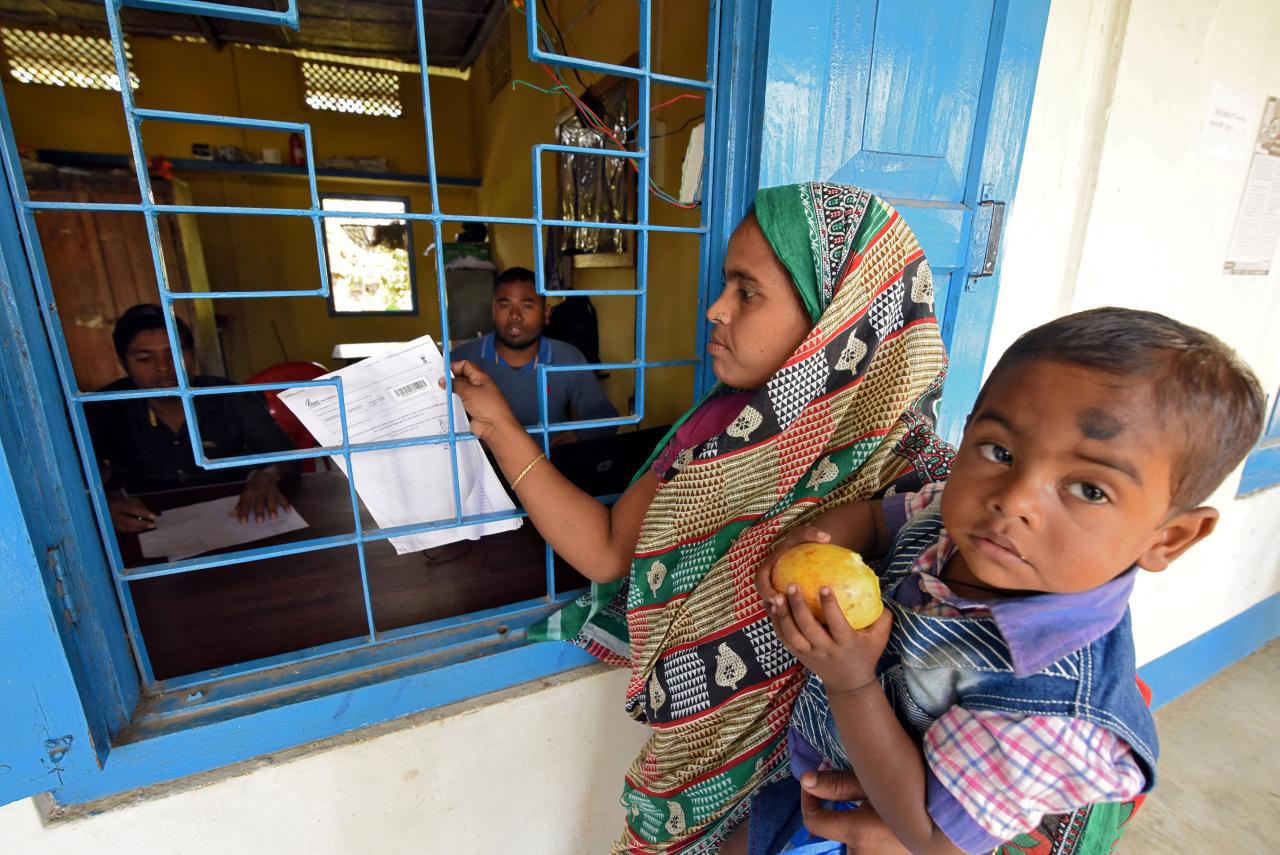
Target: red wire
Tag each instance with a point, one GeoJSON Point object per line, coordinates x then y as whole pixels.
{"type": "Point", "coordinates": [678, 98]}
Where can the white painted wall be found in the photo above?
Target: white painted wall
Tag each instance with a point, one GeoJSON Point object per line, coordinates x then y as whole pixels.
{"type": "Point", "coordinates": [1115, 204]}
{"type": "Point", "coordinates": [1118, 204]}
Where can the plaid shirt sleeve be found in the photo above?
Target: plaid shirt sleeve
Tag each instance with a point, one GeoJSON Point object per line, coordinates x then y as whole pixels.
{"type": "Point", "coordinates": [1008, 771]}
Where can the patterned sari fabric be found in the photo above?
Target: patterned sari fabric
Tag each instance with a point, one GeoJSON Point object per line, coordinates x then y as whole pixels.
{"type": "Point", "coordinates": [847, 414]}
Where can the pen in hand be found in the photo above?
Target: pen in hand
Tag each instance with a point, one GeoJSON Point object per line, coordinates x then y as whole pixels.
{"type": "Point", "coordinates": [131, 514]}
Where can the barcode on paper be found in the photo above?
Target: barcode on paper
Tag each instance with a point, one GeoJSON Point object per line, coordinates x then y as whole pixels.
{"type": "Point", "coordinates": [408, 390]}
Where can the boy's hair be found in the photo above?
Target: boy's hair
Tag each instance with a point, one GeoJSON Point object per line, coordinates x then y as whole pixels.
{"type": "Point", "coordinates": [514, 274]}
{"type": "Point", "coordinates": [143, 317]}
{"type": "Point", "coordinates": [1199, 381]}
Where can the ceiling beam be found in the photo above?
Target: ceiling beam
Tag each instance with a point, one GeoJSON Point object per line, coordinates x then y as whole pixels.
{"type": "Point", "coordinates": [209, 31]}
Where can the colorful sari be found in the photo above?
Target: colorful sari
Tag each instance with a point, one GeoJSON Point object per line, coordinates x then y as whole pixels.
{"type": "Point", "coordinates": [849, 413]}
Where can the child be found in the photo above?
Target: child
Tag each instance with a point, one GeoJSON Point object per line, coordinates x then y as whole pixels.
{"type": "Point", "coordinates": [998, 686]}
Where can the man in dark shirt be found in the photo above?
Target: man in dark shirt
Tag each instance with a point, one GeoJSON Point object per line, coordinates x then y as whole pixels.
{"type": "Point", "coordinates": [143, 444]}
{"type": "Point", "coordinates": [512, 352]}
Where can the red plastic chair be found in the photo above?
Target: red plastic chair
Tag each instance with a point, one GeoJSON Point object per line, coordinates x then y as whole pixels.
{"type": "Point", "coordinates": [281, 373]}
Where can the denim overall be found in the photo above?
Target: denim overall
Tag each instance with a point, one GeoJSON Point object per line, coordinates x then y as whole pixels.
{"type": "Point", "coordinates": [931, 664]}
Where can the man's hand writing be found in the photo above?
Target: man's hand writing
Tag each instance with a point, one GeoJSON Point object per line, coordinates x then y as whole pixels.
{"type": "Point", "coordinates": [129, 515]}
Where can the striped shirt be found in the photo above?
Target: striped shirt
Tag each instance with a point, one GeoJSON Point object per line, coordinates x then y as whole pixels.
{"type": "Point", "coordinates": [995, 775]}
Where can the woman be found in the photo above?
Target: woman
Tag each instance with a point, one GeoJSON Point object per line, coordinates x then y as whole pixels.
{"type": "Point", "coordinates": [830, 363]}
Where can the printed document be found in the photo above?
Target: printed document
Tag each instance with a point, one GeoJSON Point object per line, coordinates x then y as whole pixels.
{"type": "Point", "coordinates": [396, 395]}
{"type": "Point", "coordinates": [205, 526]}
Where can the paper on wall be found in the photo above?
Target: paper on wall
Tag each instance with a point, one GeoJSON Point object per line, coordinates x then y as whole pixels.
{"type": "Point", "coordinates": [1257, 226]}
{"type": "Point", "coordinates": [396, 395]}
{"type": "Point", "coordinates": [1228, 117]}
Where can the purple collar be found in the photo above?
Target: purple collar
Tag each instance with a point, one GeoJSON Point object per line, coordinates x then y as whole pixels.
{"type": "Point", "coordinates": [1040, 629]}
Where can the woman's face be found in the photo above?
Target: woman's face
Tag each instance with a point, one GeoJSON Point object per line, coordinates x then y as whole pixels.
{"type": "Point", "coordinates": [758, 320]}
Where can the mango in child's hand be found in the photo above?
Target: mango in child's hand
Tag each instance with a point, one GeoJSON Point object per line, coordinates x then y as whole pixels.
{"type": "Point", "coordinates": [814, 566]}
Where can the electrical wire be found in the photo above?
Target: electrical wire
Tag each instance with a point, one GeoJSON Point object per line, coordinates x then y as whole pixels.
{"type": "Point", "coordinates": [553, 90]}
{"type": "Point", "coordinates": [564, 45]}
{"type": "Point", "coordinates": [589, 116]}
{"type": "Point", "coordinates": [689, 121]}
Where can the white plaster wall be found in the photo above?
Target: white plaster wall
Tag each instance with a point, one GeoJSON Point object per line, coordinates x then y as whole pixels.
{"type": "Point", "coordinates": [1118, 204]}
{"type": "Point", "coordinates": [540, 773]}
{"type": "Point", "coordinates": [1115, 205]}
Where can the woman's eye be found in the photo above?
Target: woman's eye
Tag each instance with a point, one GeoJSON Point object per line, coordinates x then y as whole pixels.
{"type": "Point", "coordinates": [995, 452]}
{"type": "Point", "coordinates": [747, 295]}
{"type": "Point", "coordinates": [1091, 493]}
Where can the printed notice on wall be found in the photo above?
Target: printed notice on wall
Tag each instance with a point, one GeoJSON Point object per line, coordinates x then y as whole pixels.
{"type": "Point", "coordinates": [1253, 240]}
{"type": "Point", "coordinates": [1227, 132]}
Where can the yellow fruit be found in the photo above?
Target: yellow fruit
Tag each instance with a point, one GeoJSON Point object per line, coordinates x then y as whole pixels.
{"type": "Point", "coordinates": [814, 566]}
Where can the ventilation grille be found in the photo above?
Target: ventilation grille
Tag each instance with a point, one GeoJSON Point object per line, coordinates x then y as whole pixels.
{"type": "Point", "coordinates": [345, 89]}
{"type": "Point", "coordinates": [60, 59]}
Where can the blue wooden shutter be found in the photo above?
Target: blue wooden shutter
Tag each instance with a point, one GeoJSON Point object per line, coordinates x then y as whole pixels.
{"type": "Point", "coordinates": [44, 731]}
{"type": "Point", "coordinates": [924, 102]}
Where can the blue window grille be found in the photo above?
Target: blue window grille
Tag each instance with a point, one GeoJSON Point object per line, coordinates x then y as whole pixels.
{"type": "Point", "coordinates": [459, 638]}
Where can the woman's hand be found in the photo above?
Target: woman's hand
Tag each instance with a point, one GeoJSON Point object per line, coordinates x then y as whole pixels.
{"type": "Point", "coordinates": [260, 497]}
{"type": "Point", "coordinates": [845, 658]}
{"type": "Point", "coordinates": [129, 515]}
{"type": "Point", "coordinates": [489, 411]}
{"type": "Point", "coordinates": [862, 829]}
{"type": "Point", "coordinates": [764, 573]}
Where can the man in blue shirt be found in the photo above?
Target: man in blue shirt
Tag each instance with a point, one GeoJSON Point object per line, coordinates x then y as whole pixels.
{"type": "Point", "coordinates": [512, 353]}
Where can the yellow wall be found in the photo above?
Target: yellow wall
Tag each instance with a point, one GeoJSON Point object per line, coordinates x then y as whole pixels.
{"type": "Point", "coordinates": [507, 125]}
{"type": "Point", "coordinates": [476, 136]}
{"type": "Point", "coordinates": [260, 252]}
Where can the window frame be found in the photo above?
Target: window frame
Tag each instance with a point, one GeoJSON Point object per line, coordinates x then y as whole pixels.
{"type": "Point", "coordinates": [189, 731]}
{"type": "Point", "coordinates": [415, 307]}
{"type": "Point", "coordinates": [1262, 466]}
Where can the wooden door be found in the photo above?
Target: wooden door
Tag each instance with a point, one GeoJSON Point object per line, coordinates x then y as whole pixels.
{"type": "Point", "coordinates": [100, 264]}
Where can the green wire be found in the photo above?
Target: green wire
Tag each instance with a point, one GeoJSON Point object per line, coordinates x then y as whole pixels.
{"type": "Point", "coordinates": [535, 86]}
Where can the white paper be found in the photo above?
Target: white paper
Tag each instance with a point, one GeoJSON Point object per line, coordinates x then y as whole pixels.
{"type": "Point", "coordinates": [396, 395]}
{"type": "Point", "coordinates": [205, 526]}
{"type": "Point", "coordinates": [1257, 227]}
{"type": "Point", "coordinates": [1228, 120]}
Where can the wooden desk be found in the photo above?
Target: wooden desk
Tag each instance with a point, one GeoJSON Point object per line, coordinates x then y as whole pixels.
{"type": "Point", "coordinates": [211, 618]}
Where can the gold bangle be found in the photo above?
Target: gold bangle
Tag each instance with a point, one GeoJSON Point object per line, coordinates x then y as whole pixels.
{"type": "Point", "coordinates": [532, 463]}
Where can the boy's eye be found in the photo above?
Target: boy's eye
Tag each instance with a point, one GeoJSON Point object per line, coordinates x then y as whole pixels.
{"type": "Point", "coordinates": [1091, 493]}
{"type": "Point", "coordinates": [995, 452]}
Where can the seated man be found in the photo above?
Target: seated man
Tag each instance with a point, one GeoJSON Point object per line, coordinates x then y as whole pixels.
{"type": "Point", "coordinates": [142, 444]}
{"type": "Point", "coordinates": [512, 352]}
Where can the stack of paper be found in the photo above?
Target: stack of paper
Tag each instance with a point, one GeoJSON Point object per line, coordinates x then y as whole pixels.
{"type": "Point", "coordinates": [205, 526]}
{"type": "Point", "coordinates": [396, 395]}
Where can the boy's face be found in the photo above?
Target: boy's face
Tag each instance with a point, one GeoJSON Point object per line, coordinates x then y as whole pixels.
{"type": "Point", "coordinates": [1062, 483]}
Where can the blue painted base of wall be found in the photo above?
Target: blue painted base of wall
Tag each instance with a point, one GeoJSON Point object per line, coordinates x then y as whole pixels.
{"type": "Point", "coordinates": [1182, 669]}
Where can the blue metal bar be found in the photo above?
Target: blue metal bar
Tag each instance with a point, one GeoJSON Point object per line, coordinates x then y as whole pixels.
{"type": "Point", "coordinates": [318, 662]}
{"type": "Point", "coordinates": [442, 295]}
{"type": "Point", "coordinates": [706, 253]}
{"type": "Point", "coordinates": [141, 114]}
{"type": "Point", "coordinates": [645, 98]}
{"type": "Point", "coordinates": [150, 220]}
{"type": "Point", "coordinates": [133, 207]}
{"type": "Point", "coordinates": [315, 544]}
{"type": "Point", "coordinates": [287, 18]}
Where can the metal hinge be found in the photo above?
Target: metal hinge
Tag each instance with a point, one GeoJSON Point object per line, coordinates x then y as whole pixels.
{"type": "Point", "coordinates": [985, 241]}
{"type": "Point", "coordinates": [56, 564]}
